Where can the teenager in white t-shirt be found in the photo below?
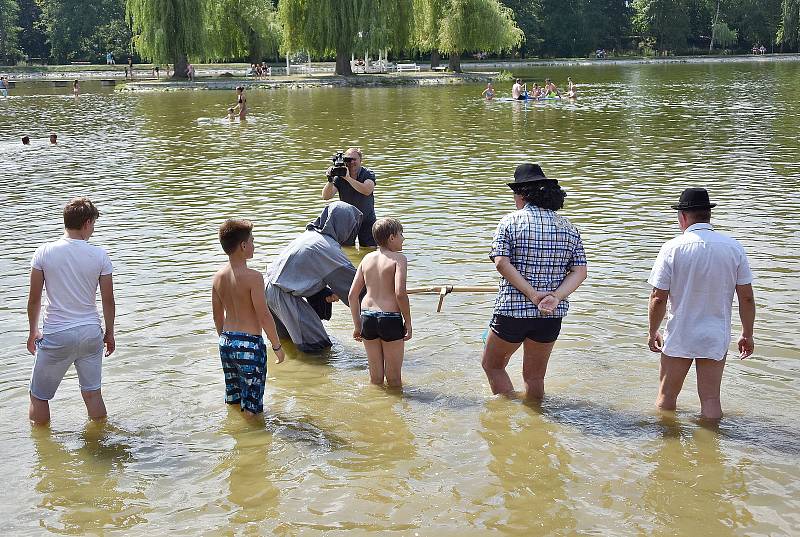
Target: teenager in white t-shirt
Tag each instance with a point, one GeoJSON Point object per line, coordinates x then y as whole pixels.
{"type": "Point", "coordinates": [697, 273]}
{"type": "Point", "coordinates": [69, 271]}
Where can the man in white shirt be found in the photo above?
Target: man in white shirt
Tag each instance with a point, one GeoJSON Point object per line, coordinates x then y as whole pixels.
{"type": "Point", "coordinates": [697, 273]}
{"type": "Point", "coordinates": [70, 270]}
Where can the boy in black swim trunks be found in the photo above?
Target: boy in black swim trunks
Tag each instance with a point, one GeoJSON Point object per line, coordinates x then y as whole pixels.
{"type": "Point", "coordinates": [240, 313]}
{"type": "Point", "coordinates": [379, 319]}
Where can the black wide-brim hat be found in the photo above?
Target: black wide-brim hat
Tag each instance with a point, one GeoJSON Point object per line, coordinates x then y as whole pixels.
{"type": "Point", "coordinates": [529, 173]}
{"type": "Point", "coordinates": [694, 199]}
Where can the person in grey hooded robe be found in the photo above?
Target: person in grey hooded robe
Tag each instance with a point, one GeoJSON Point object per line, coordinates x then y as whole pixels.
{"type": "Point", "coordinates": [312, 263]}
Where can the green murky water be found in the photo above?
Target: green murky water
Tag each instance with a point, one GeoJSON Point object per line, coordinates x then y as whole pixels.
{"type": "Point", "coordinates": [335, 455]}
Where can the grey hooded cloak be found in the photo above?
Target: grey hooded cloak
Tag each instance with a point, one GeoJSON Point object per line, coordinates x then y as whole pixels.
{"type": "Point", "coordinates": [311, 263]}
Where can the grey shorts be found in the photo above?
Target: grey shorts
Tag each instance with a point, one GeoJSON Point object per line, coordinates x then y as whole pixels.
{"type": "Point", "coordinates": [81, 345]}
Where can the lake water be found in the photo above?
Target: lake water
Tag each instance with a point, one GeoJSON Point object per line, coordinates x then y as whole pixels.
{"type": "Point", "coordinates": [335, 455]}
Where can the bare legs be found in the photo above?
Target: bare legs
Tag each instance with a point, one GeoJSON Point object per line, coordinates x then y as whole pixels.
{"type": "Point", "coordinates": [709, 378]}
{"type": "Point", "coordinates": [385, 359]}
{"type": "Point", "coordinates": [39, 410]}
{"type": "Point", "coordinates": [534, 366]}
{"type": "Point", "coordinates": [496, 356]}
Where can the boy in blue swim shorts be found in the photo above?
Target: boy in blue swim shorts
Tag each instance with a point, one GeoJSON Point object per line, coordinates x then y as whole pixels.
{"type": "Point", "coordinates": [240, 314]}
{"type": "Point", "coordinates": [382, 320]}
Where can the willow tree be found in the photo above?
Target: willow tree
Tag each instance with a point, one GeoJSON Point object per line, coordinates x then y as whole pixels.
{"type": "Point", "coordinates": [343, 27]}
{"type": "Point", "coordinates": [458, 26]}
{"type": "Point", "coordinates": [169, 31]}
{"type": "Point", "coordinates": [239, 28]}
{"type": "Point", "coordinates": [789, 29]}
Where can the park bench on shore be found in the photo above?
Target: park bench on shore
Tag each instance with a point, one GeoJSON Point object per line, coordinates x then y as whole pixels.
{"type": "Point", "coordinates": [401, 67]}
{"type": "Point", "coordinates": [80, 63]}
{"type": "Point", "coordinates": [439, 68]}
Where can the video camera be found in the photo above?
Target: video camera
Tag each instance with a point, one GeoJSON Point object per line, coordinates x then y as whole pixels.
{"type": "Point", "coordinates": [339, 168]}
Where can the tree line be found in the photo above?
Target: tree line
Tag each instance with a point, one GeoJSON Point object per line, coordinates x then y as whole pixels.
{"type": "Point", "coordinates": [174, 31]}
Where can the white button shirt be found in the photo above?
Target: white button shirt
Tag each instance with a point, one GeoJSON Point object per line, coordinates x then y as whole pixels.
{"type": "Point", "coordinates": [701, 269]}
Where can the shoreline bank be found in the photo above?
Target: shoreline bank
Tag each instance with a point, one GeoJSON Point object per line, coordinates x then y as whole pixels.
{"type": "Point", "coordinates": [312, 81]}
{"type": "Point", "coordinates": [228, 76]}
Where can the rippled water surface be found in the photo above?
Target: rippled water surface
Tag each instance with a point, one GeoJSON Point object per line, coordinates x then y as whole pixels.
{"type": "Point", "coordinates": [335, 455]}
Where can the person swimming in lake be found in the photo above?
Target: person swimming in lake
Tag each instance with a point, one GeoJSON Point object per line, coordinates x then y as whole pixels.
{"type": "Point", "coordinates": [241, 103]}
{"type": "Point", "coordinates": [231, 114]}
{"type": "Point", "coordinates": [572, 88]}
{"type": "Point", "coordinates": [488, 93]}
{"type": "Point", "coordinates": [537, 91]}
{"type": "Point", "coordinates": [550, 90]}
{"type": "Point", "coordinates": [76, 88]}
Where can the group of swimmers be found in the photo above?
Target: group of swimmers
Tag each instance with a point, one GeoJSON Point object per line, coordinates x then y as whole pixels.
{"type": "Point", "coordinates": [519, 91]}
{"type": "Point", "coordinates": [26, 140]}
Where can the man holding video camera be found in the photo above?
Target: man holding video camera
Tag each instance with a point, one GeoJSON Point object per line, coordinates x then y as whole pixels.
{"type": "Point", "coordinates": [355, 186]}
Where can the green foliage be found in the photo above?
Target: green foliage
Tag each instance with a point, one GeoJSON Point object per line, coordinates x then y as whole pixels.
{"type": "Point", "coordinates": [9, 31]}
{"type": "Point", "coordinates": [83, 29]}
{"type": "Point", "coordinates": [579, 27]}
{"type": "Point", "coordinates": [65, 30]}
{"type": "Point", "coordinates": [789, 29]}
{"type": "Point", "coordinates": [480, 25]}
{"type": "Point", "coordinates": [242, 28]}
{"type": "Point", "coordinates": [324, 27]}
{"type": "Point", "coordinates": [428, 15]}
{"type": "Point", "coordinates": [756, 20]}
{"type": "Point", "coordinates": [665, 20]}
{"type": "Point", "coordinates": [504, 76]}
{"type": "Point", "coordinates": [724, 36]}
{"type": "Point", "coordinates": [168, 31]}
{"type": "Point", "coordinates": [457, 26]}
{"type": "Point", "coordinates": [32, 37]}
{"type": "Point", "coordinates": [114, 37]}
{"type": "Point", "coordinates": [527, 14]}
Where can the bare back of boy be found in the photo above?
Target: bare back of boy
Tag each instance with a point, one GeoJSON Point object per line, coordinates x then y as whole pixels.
{"type": "Point", "coordinates": [380, 271]}
{"type": "Point", "coordinates": [234, 288]}
{"type": "Point", "coordinates": [384, 273]}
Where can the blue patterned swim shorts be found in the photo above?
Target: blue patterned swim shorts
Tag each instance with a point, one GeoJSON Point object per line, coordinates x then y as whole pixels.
{"type": "Point", "coordinates": [244, 362]}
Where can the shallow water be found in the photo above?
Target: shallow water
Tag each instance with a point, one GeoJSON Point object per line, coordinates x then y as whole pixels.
{"type": "Point", "coordinates": [334, 454]}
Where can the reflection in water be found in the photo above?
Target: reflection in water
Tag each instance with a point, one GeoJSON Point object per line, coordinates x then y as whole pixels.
{"type": "Point", "coordinates": [252, 472]}
{"type": "Point", "coordinates": [692, 485]}
{"type": "Point", "coordinates": [532, 471]}
{"type": "Point", "coordinates": [83, 487]}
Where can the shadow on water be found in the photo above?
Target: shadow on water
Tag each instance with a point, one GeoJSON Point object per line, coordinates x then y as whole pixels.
{"type": "Point", "coordinates": [597, 420]}
{"type": "Point", "coordinates": [302, 429]}
{"type": "Point", "coordinates": [250, 472]}
{"type": "Point", "coordinates": [590, 418]}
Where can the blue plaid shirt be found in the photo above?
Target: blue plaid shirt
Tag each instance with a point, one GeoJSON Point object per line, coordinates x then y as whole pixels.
{"type": "Point", "coordinates": [543, 247]}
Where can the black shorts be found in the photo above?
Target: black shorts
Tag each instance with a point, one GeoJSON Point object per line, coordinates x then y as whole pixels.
{"type": "Point", "coordinates": [387, 326]}
{"type": "Point", "coordinates": [516, 330]}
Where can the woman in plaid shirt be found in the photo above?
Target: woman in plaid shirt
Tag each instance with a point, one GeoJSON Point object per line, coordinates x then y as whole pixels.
{"type": "Point", "coordinates": [541, 260]}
